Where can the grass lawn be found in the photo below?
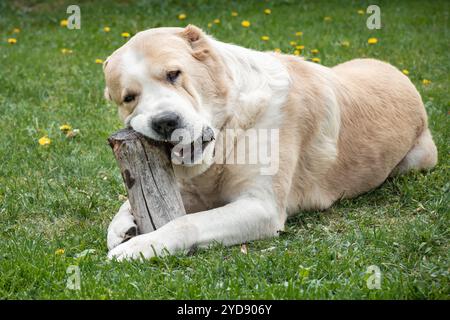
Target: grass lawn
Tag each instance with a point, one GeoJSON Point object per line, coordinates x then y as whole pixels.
{"type": "Point", "coordinates": [63, 195]}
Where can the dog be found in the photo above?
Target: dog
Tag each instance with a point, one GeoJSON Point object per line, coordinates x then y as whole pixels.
{"type": "Point", "coordinates": [341, 132]}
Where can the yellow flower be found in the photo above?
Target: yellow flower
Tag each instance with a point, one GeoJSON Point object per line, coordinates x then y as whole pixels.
{"type": "Point", "coordinates": [182, 16]}
{"type": "Point", "coordinates": [125, 34]}
{"type": "Point", "coordinates": [314, 51]}
{"type": "Point", "coordinates": [372, 41]}
{"type": "Point", "coordinates": [107, 29]}
{"type": "Point", "coordinates": [59, 252]}
{"type": "Point", "coordinates": [216, 21]}
{"type": "Point", "coordinates": [327, 19]}
{"type": "Point", "coordinates": [299, 33]}
{"type": "Point", "coordinates": [234, 14]}
{"type": "Point", "coordinates": [16, 30]}
{"type": "Point", "coordinates": [296, 52]}
{"type": "Point", "coordinates": [361, 12]}
{"type": "Point", "coordinates": [426, 82]}
{"type": "Point", "coordinates": [267, 11]}
{"type": "Point", "coordinates": [63, 23]}
{"type": "Point", "coordinates": [315, 59]}
{"type": "Point", "coordinates": [300, 47]}
{"type": "Point", "coordinates": [98, 61]}
{"type": "Point", "coordinates": [12, 40]}
{"type": "Point", "coordinates": [277, 50]}
{"type": "Point", "coordinates": [44, 141]}
{"type": "Point", "coordinates": [66, 51]}
{"type": "Point", "coordinates": [345, 43]}
{"type": "Point", "coordinates": [293, 43]}
{"type": "Point", "coordinates": [265, 38]}
{"type": "Point", "coordinates": [245, 23]}
{"type": "Point", "coordinates": [405, 71]}
{"type": "Point", "coordinates": [65, 127]}
{"type": "Point", "coordinates": [209, 25]}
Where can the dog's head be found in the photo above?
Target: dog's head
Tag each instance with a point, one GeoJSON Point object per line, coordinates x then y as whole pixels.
{"type": "Point", "coordinates": [170, 85]}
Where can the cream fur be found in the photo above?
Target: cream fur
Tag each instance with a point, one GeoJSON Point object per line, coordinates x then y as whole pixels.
{"type": "Point", "coordinates": [342, 131]}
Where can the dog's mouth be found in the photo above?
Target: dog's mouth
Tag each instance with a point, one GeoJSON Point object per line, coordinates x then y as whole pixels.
{"type": "Point", "coordinates": [192, 153]}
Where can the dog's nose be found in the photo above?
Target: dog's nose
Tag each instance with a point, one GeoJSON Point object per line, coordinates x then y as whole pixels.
{"type": "Point", "coordinates": [165, 123]}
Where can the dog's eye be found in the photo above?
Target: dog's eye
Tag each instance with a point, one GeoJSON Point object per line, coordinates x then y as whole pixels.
{"type": "Point", "coordinates": [173, 75]}
{"type": "Point", "coordinates": [129, 98]}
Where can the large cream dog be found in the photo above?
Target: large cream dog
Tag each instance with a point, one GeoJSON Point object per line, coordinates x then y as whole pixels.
{"type": "Point", "coordinates": [341, 131]}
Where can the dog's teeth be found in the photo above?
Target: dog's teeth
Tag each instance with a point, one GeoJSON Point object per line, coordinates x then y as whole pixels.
{"type": "Point", "coordinates": [177, 153]}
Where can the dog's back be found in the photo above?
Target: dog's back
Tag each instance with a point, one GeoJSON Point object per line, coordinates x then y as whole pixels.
{"type": "Point", "coordinates": [381, 129]}
{"type": "Point", "coordinates": [382, 119]}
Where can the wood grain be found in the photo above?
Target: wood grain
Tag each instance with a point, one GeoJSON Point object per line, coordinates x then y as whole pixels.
{"type": "Point", "coordinates": [149, 179]}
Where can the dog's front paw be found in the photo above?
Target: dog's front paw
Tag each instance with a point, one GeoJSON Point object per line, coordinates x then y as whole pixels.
{"type": "Point", "coordinates": [120, 235]}
{"type": "Point", "coordinates": [143, 246]}
{"type": "Point", "coordinates": [122, 227]}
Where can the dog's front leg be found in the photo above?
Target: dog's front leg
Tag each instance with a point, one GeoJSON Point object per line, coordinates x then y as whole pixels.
{"type": "Point", "coordinates": [244, 220]}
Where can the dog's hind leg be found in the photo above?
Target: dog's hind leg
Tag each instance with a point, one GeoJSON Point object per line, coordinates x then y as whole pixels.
{"type": "Point", "coordinates": [422, 156]}
{"type": "Point", "coordinates": [122, 227]}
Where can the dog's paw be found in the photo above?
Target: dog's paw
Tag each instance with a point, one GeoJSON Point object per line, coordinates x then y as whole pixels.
{"type": "Point", "coordinates": [121, 229]}
{"type": "Point", "coordinates": [120, 235]}
{"type": "Point", "coordinates": [142, 246]}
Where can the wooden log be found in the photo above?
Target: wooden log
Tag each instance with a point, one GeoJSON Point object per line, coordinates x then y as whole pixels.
{"type": "Point", "coordinates": [149, 179]}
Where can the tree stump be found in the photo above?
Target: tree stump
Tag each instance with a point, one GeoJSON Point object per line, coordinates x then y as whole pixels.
{"type": "Point", "coordinates": [149, 179]}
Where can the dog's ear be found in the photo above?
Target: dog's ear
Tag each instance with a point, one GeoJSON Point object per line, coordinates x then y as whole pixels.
{"type": "Point", "coordinates": [192, 34]}
{"type": "Point", "coordinates": [197, 40]}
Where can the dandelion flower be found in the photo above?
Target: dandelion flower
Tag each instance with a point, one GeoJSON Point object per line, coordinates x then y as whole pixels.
{"type": "Point", "coordinates": [44, 141]}
{"type": "Point", "coordinates": [107, 29]}
{"type": "Point", "coordinates": [98, 61]}
{"type": "Point", "coordinates": [361, 12]}
{"type": "Point", "coordinates": [300, 47]}
{"type": "Point", "coordinates": [16, 30]}
{"type": "Point", "coordinates": [316, 60]}
{"type": "Point", "coordinates": [293, 43]}
{"type": "Point", "coordinates": [209, 25]}
{"type": "Point", "coordinates": [299, 33]}
{"type": "Point", "coordinates": [65, 128]}
{"type": "Point", "coordinates": [182, 16]}
{"type": "Point", "coordinates": [66, 51]}
{"type": "Point", "coordinates": [345, 43]}
{"type": "Point", "coordinates": [125, 34]}
{"type": "Point", "coordinates": [59, 252]}
{"type": "Point", "coordinates": [267, 11]}
{"type": "Point", "coordinates": [277, 50]}
{"type": "Point", "coordinates": [216, 21]}
{"type": "Point", "coordinates": [405, 71]}
{"type": "Point", "coordinates": [328, 19]}
{"type": "Point", "coordinates": [296, 52]}
{"type": "Point", "coordinates": [63, 23]}
{"type": "Point", "coordinates": [372, 41]}
{"type": "Point", "coordinates": [12, 40]}
{"type": "Point", "coordinates": [426, 82]}
{"type": "Point", "coordinates": [245, 23]}
{"type": "Point", "coordinates": [265, 38]}
{"type": "Point", "coordinates": [314, 51]}
{"type": "Point", "coordinates": [234, 14]}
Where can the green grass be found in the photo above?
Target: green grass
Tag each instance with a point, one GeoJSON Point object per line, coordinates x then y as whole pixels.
{"type": "Point", "coordinates": [65, 194]}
